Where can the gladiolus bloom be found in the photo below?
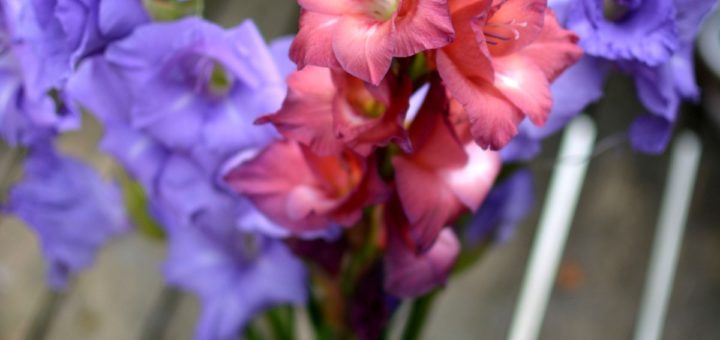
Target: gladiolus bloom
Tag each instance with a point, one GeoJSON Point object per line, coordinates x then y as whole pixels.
{"type": "Point", "coordinates": [502, 62]}
{"type": "Point", "coordinates": [330, 110]}
{"type": "Point", "coordinates": [443, 176]}
{"type": "Point", "coordinates": [362, 36]}
{"type": "Point", "coordinates": [302, 191]}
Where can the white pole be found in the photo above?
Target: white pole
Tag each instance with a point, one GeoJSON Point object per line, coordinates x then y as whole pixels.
{"type": "Point", "coordinates": [670, 230]}
{"type": "Point", "coordinates": [554, 226]}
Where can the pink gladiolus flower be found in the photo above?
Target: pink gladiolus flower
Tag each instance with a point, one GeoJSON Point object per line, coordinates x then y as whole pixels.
{"type": "Point", "coordinates": [362, 36]}
{"type": "Point", "coordinates": [500, 66]}
{"type": "Point", "coordinates": [330, 110]}
{"type": "Point", "coordinates": [302, 191]}
{"type": "Point", "coordinates": [444, 176]}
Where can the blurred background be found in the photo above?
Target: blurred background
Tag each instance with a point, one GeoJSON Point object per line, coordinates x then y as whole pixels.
{"type": "Point", "coordinates": [596, 294]}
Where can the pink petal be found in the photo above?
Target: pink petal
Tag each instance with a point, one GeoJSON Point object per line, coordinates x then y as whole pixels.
{"type": "Point", "coordinates": [271, 181]}
{"type": "Point", "coordinates": [427, 202]}
{"type": "Point", "coordinates": [524, 84]}
{"type": "Point", "coordinates": [307, 113]}
{"type": "Point", "coordinates": [363, 48]}
{"type": "Point", "coordinates": [422, 25]}
{"type": "Point", "coordinates": [493, 119]}
{"type": "Point", "coordinates": [468, 52]}
{"type": "Point", "coordinates": [313, 43]}
{"type": "Point", "coordinates": [436, 144]}
{"type": "Point", "coordinates": [363, 133]}
{"type": "Point", "coordinates": [515, 24]}
{"type": "Point", "coordinates": [555, 50]}
{"type": "Point", "coordinates": [409, 275]}
{"type": "Point", "coordinates": [327, 6]}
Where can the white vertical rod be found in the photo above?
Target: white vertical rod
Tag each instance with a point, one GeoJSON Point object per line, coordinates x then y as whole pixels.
{"type": "Point", "coordinates": [670, 229]}
{"type": "Point", "coordinates": [553, 229]}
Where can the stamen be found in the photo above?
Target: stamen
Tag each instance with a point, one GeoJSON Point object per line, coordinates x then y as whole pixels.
{"type": "Point", "coordinates": [496, 34]}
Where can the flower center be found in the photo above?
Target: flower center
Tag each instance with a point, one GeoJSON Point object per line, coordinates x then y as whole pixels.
{"type": "Point", "coordinates": [364, 103]}
{"type": "Point", "coordinates": [380, 10]}
{"type": "Point", "coordinates": [616, 10]}
{"type": "Point", "coordinates": [220, 81]}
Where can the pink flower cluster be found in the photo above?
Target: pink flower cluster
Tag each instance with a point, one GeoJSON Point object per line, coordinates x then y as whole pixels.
{"type": "Point", "coordinates": [351, 144]}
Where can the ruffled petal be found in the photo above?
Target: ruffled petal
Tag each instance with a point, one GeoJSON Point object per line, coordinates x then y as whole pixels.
{"type": "Point", "coordinates": [422, 25]}
{"type": "Point", "coordinates": [313, 43]}
{"type": "Point", "coordinates": [493, 119]}
{"type": "Point", "coordinates": [363, 48]}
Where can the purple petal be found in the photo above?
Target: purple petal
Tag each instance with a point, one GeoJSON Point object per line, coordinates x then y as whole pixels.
{"type": "Point", "coordinates": [650, 133]}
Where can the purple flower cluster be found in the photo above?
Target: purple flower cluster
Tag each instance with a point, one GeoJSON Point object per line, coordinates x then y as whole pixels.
{"type": "Point", "coordinates": [650, 40]}
{"type": "Point", "coordinates": [178, 101]}
{"type": "Point", "coordinates": [72, 210]}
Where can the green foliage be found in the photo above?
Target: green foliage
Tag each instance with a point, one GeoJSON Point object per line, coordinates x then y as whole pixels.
{"type": "Point", "coordinates": [168, 10]}
{"type": "Point", "coordinates": [137, 207]}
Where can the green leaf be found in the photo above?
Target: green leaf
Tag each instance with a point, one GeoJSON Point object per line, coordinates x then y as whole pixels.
{"type": "Point", "coordinates": [169, 10]}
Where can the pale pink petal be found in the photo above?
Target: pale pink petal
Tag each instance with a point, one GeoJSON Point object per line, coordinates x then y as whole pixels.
{"type": "Point", "coordinates": [472, 182]}
{"type": "Point", "coordinates": [304, 201]}
{"type": "Point", "coordinates": [327, 6]}
{"type": "Point", "coordinates": [422, 25]}
{"type": "Point", "coordinates": [514, 25]}
{"type": "Point", "coordinates": [363, 48]}
{"type": "Point", "coordinates": [313, 43]}
{"type": "Point", "coordinates": [555, 50]}
{"type": "Point", "coordinates": [409, 275]}
{"type": "Point", "coordinates": [525, 85]}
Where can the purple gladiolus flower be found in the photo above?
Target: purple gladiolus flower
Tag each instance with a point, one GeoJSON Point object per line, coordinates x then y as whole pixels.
{"type": "Point", "coordinates": [650, 40]}
{"type": "Point", "coordinates": [198, 88]}
{"type": "Point", "coordinates": [235, 274]}
{"type": "Point", "coordinates": [52, 36]}
{"type": "Point", "coordinates": [26, 114]}
{"type": "Point", "coordinates": [178, 101]}
{"type": "Point", "coordinates": [73, 211]}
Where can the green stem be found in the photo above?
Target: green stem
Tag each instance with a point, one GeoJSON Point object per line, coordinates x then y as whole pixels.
{"type": "Point", "coordinates": [418, 316]}
{"type": "Point", "coordinates": [281, 322]}
{"type": "Point", "coordinates": [252, 333]}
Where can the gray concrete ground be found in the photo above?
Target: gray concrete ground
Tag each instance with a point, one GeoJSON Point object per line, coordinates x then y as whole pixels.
{"type": "Point", "coordinates": [597, 291]}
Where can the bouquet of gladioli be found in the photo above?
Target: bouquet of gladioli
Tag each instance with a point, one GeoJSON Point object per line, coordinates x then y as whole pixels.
{"type": "Point", "coordinates": [344, 170]}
